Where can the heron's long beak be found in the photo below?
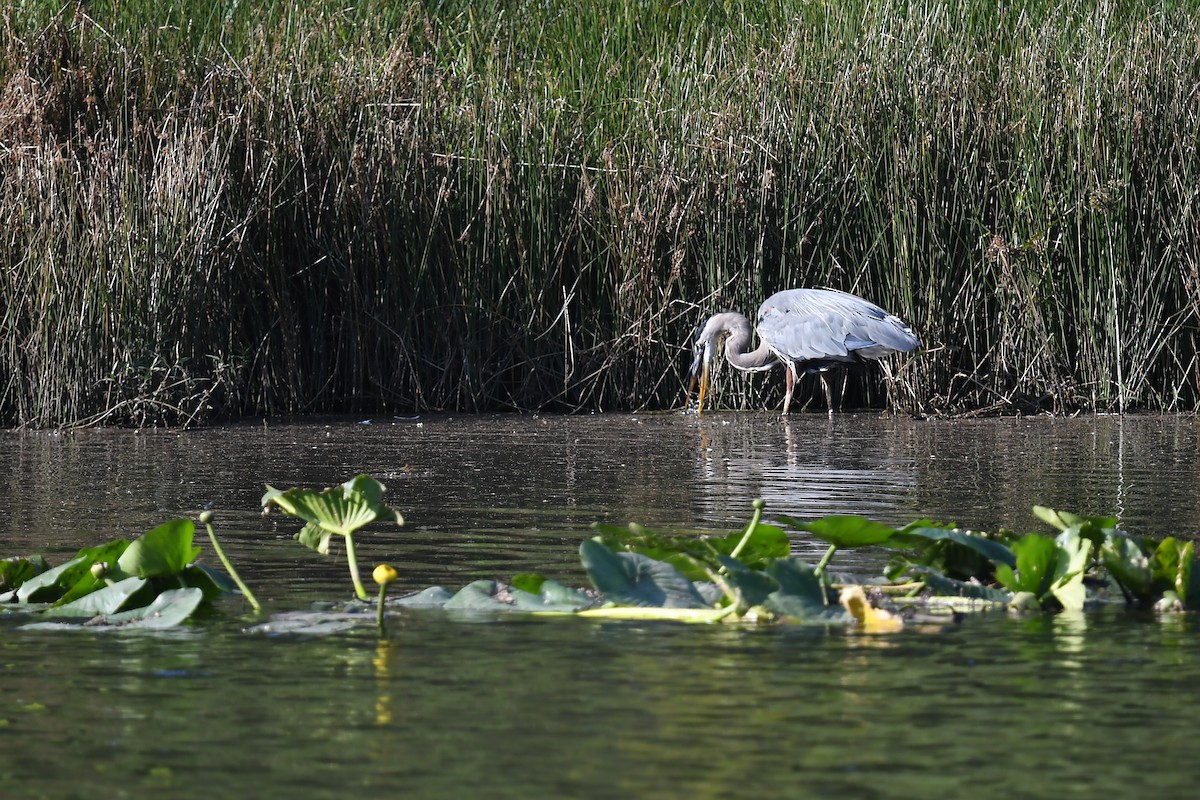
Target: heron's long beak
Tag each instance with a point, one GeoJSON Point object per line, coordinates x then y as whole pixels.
{"type": "Point", "coordinates": [700, 364]}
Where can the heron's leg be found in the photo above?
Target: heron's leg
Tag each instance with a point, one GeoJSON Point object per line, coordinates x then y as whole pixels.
{"type": "Point", "coordinates": [790, 383]}
{"type": "Point", "coordinates": [828, 392]}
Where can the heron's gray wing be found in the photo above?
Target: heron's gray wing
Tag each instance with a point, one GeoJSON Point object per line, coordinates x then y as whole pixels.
{"type": "Point", "coordinates": [814, 324]}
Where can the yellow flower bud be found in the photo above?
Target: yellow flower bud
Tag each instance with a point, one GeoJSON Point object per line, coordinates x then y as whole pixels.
{"type": "Point", "coordinates": [384, 574]}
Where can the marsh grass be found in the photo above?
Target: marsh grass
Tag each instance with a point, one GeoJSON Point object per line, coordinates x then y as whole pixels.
{"type": "Point", "coordinates": [280, 207]}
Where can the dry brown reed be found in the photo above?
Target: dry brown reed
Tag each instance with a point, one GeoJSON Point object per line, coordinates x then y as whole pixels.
{"type": "Point", "coordinates": [368, 207]}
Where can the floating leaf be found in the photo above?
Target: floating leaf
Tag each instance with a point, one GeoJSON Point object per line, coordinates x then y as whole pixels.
{"type": "Point", "coordinates": [432, 597]}
{"type": "Point", "coordinates": [87, 582]}
{"type": "Point", "coordinates": [1036, 557]}
{"type": "Point", "coordinates": [993, 551]}
{"type": "Point", "coordinates": [1065, 519]}
{"type": "Point", "coordinates": [212, 582]}
{"type": "Point", "coordinates": [482, 595]}
{"type": "Point", "coordinates": [107, 600]}
{"type": "Point", "coordinates": [801, 594]}
{"type": "Point", "coordinates": [310, 623]}
{"type": "Point", "coordinates": [635, 580]}
{"type": "Point", "coordinates": [942, 586]}
{"type": "Point", "coordinates": [554, 593]}
{"type": "Point", "coordinates": [15, 571]}
{"type": "Point", "coordinates": [1128, 564]}
{"type": "Point", "coordinates": [487, 595]}
{"type": "Point", "coordinates": [844, 531]}
{"type": "Point", "coordinates": [767, 542]}
{"type": "Point", "coordinates": [338, 510]}
{"type": "Point", "coordinates": [528, 582]}
{"type": "Point", "coordinates": [693, 555]}
{"type": "Point", "coordinates": [1074, 555]}
{"type": "Point", "coordinates": [749, 586]}
{"type": "Point", "coordinates": [172, 607]}
{"type": "Point", "coordinates": [166, 550]}
{"type": "Point", "coordinates": [1171, 566]}
{"type": "Point", "coordinates": [53, 583]}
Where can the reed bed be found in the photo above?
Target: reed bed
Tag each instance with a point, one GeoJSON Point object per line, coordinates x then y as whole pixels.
{"type": "Point", "coordinates": [225, 209]}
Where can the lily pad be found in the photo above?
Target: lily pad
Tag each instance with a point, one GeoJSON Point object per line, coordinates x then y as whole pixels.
{"type": "Point", "coordinates": [1036, 557]}
{"type": "Point", "coordinates": [635, 580]}
{"type": "Point", "coordinates": [52, 584]}
{"type": "Point", "coordinates": [1074, 555]}
{"type": "Point", "coordinates": [750, 587]}
{"type": "Point", "coordinates": [844, 531]}
{"type": "Point", "coordinates": [166, 550]}
{"type": "Point", "coordinates": [15, 571]}
{"type": "Point", "coordinates": [172, 607]}
{"type": "Point", "coordinates": [942, 586]}
{"type": "Point", "coordinates": [108, 600]}
{"type": "Point", "coordinates": [340, 510]}
{"type": "Point", "coordinates": [432, 597]}
{"type": "Point", "coordinates": [992, 550]}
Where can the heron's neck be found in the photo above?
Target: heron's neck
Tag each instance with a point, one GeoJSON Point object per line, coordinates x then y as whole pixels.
{"type": "Point", "coordinates": [739, 354]}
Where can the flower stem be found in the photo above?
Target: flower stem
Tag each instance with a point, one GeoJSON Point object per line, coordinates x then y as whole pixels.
{"type": "Point", "coordinates": [352, 560]}
{"type": "Point", "coordinates": [206, 519]}
{"type": "Point", "coordinates": [759, 504]}
{"type": "Point", "coordinates": [379, 610]}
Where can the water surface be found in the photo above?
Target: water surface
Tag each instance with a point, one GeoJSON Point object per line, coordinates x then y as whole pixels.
{"type": "Point", "coordinates": [451, 706]}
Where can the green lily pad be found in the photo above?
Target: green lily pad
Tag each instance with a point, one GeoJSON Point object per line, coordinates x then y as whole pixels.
{"type": "Point", "coordinates": [108, 600]}
{"type": "Point", "coordinates": [801, 594]}
{"type": "Point", "coordinates": [1074, 555]}
{"type": "Point", "coordinates": [108, 553]}
{"type": "Point", "coordinates": [992, 550]}
{"type": "Point", "coordinates": [172, 607]}
{"type": "Point", "coordinates": [15, 571]}
{"type": "Point", "coordinates": [844, 531]}
{"type": "Point", "coordinates": [169, 609]}
{"type": "Point", "coordinates": [1065, 519]}
{"type": "Point", "coordinates": [432, 597]}
{"type": "Point", "coordinates": [634, 580]}
{"type": "Point", "coordinates": [52, 584]}
{"type": "Point", "coordinates": [166, 550]}
{"type": "Point", "coordinates": [750, 587]}
{"type": "Point", "coordinates": [942, 586]}
{"type": "Point", "coordinates": [1036, 557]}
{"type": "Point", "coordinates": [340, 510]}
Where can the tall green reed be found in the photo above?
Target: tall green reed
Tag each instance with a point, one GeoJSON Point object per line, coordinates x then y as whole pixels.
{"type": "Point", "coordinates": [216, 209]}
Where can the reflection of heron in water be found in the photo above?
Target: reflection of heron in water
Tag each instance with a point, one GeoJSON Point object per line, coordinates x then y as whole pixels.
{"type": "Point", "coordinates": [807, 330]}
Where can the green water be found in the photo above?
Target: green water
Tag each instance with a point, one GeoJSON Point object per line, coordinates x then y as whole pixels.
{"type": "Point", "coordinates": [450, 706]}
{"type": "Point", "coordinates": [1020, 708]}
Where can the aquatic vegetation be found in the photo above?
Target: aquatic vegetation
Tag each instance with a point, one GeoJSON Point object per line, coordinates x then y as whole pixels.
{"type": "Point", "coordinates": [746, 575]}
{"type": "Point", "coordinates": [336, 511]}
{"type": "Point", "coordinates": [642, 574]}
{"type": "Point", "coordinates": [383, 575]}
{"type": "Point", "coordinates": [149, 583]}
{"type": "Point", "coordinates": [206, 519]}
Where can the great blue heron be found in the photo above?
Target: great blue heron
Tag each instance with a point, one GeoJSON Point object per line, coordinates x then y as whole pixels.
{"type": "Point", "coordinates": [807, 330]}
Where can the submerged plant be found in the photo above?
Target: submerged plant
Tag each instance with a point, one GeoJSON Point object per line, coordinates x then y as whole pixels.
{"type": "Point", "coordinates": [336, 511]}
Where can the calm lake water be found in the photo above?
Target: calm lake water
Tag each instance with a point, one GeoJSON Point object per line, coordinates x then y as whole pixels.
{"type": "Point", "coordinates": [451, 706]}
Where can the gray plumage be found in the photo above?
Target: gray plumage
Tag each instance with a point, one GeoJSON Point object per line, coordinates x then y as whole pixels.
{"type": "Point", "coordinates": [807, 330]}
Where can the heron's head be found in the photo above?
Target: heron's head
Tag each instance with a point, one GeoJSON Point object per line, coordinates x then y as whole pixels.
{"type": "Point", "coordinates": [708, 340]}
